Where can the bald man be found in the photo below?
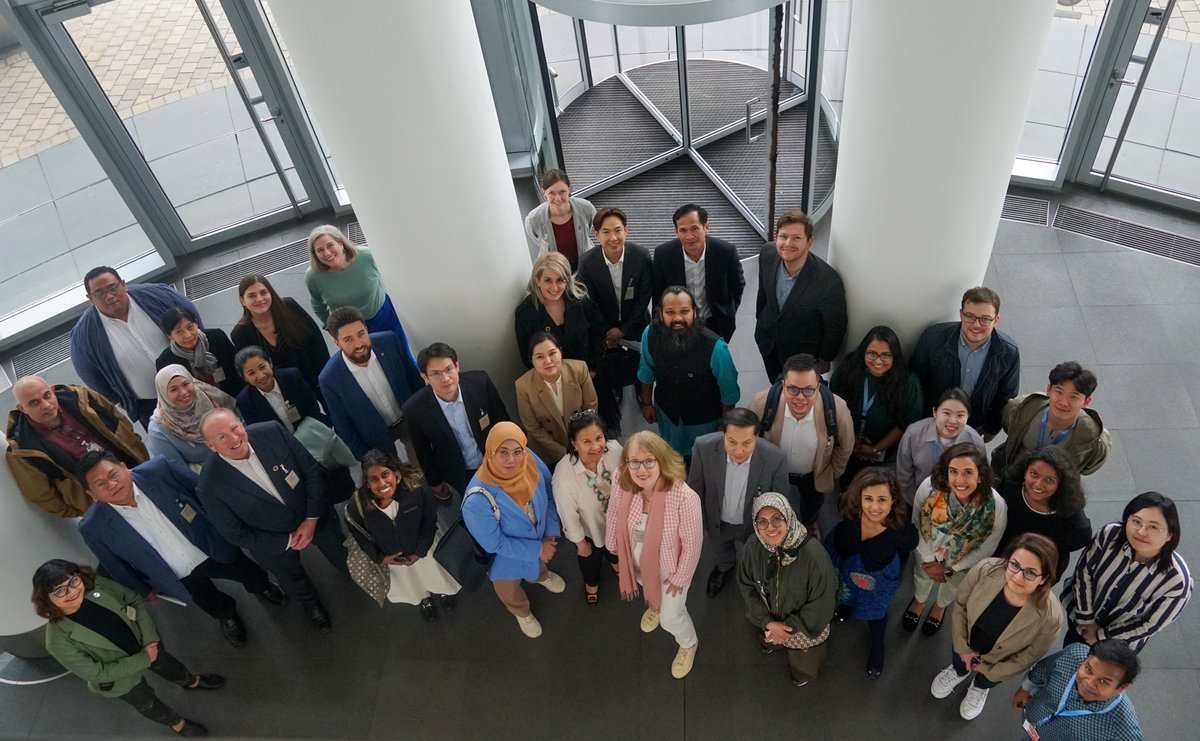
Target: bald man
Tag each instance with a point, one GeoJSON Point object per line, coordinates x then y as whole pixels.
{"type": "Point", "coordinates": [50, 431]}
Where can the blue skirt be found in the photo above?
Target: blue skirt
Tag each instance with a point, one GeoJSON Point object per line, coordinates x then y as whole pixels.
{"type": "Point", "coordinates": [868, 592]}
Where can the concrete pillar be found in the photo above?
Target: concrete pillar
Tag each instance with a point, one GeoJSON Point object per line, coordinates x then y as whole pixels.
{"type": "Point", "coordinates": [936, 96]}
{"type": "Point", "coordinates": [407, 113]}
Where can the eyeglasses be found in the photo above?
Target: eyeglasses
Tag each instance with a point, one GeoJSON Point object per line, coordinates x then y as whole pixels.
{"type": "Point", "coordinates": [581, 414]}
{"type": "Point", "coordinates": [1153, 528]}
{"type": "Point", "coordinates": [636, 464]}
{"type": "Point", "coordinates": [506, 454]}
{"type": "Point", "coordinates": [872, 355]}
{"type": "Point", "coordinates": [61, 590]}
{"type": "Point", "coordinates": [106, 291]}
{"type": "Point", "coordinates": [808, 391]}
{"type": "Point", "coordinates": [776, 521]}
{"type": "Point", "coordinates": [447, 372]}
{"type": "Point", "coordinates": [983, 321]}
{"type": "Point", "coordinates": [1014, 567]}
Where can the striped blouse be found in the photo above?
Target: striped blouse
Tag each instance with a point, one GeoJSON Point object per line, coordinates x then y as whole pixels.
{"type": "Point", "coordinates": [1130, 600]}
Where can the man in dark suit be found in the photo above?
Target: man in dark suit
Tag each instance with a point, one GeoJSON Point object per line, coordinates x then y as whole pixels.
{"type": "Point", "coordinates": [620, 281]}
{"type": "Point", "coordinates": [150, 534]}
{"type": "Point", "coordinates": [265, 493]}
{"type": "Point", "coordinates": [729, 468]}
{"type": "Point", "coordinates": [366, 384]}
{"type": "Point", "coordinates": [801, 305]}
{"type": "Point", "coordinates": [450, 418]}
{"type": "Point", "coordinates": [707, 266]}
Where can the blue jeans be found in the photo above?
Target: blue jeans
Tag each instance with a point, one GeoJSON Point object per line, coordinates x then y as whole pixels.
{"type": "Point", "coordinates": [961, 669]}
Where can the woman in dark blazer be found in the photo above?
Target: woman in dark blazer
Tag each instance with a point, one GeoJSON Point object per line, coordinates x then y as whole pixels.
{"type": "Point", "coordinates": [266, 384]}
{"type": "Point", "coordinates": [102, 633]}
{"type": "Point", "coordinates": [284, 330]}
{"type": "Point", "coordinates": [206, 353]}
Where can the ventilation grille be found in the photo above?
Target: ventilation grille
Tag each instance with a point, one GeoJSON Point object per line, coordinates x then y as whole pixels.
{"type": "Point", "coordinates": [355, 234]}
{"type": "Point", "coordinates": [227, 276]}
{"type": "Point", "coordinates": [1029, 210]}
{"type": "Point", "coordinates": [1128, 234]}
{"type": "Point", "coordinates": [37, 359]}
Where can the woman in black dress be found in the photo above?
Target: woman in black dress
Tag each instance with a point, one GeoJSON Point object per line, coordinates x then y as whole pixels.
{"type": "Point", "coordinates": [288, 334]}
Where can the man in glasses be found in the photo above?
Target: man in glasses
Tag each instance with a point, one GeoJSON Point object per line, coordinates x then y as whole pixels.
{"type": "Point", "coordinates": [116, 341]}
{"type": "Point", "coordinates": [150, 534]}
{"type": "Point", "coordinates": [450, 417]}
{"type": "Point", "coordinates": [973, 355]}
{"type": "Point", "coordinates": [813, 427]}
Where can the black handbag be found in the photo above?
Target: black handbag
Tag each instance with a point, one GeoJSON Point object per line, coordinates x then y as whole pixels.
{"type": "Point", "coordinates": [619, 366]}
{"type": "Point", "coordinates": [460, 555]}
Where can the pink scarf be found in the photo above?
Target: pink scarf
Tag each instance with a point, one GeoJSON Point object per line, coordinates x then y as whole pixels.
{"type": "Point", "coordinates": [651, 546]}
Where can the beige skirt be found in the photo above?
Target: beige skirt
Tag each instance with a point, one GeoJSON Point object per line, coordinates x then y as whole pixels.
{"type": "Point", "coordinates": [411, 584]}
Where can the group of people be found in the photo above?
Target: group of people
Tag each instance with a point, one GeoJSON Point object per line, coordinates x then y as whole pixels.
{"type": "Point", "coordinates": [253, 437]}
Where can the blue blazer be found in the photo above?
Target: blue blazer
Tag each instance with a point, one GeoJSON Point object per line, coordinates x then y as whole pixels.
{"type": "Point", "coordinates": [515, 540]}
{"type": "Point", "coordinates": [354, 417]}
{"type": "Point", "coordinates": [255, 407]}
{"type": "Point", "coordinates": [126, 555]}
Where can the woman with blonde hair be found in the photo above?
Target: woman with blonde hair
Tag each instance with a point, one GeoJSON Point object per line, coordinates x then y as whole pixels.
{"type": "Point", "coordinates": [341, 273]}
{"type": "Point", "coordinates": [655, 527]}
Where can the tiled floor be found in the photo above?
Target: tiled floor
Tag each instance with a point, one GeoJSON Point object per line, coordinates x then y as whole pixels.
{"type": "Point", "coordinates": [386, 674]}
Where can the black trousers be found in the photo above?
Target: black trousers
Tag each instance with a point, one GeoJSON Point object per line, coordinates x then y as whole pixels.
{"type": "Point", "coordinates": [805, 498]}
{"type": "Point", "coordinates": [213, 601]}
{"type": "Point", "coordinates": [142, 696]}
{"type": "Point", "coordinates": [592, 566]}
{"type": "Point", "coordinates": [773, 364]}
{"type": "Point", "coordinates": [878, 629]}
{"type": "Point", "coordinates": [287, 567]}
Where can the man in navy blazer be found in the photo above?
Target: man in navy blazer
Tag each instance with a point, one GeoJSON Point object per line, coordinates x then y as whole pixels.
{"type": "Point", "coordinates": [706, 266]}
{"type": "Point", "coordinates": [265, 493]}
{"type": "Point", "coordinates": [150, 534]}
{"type": "Point", "coordinates": [367, 383]}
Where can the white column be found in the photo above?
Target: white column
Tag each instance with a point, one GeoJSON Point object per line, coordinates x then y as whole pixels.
{"type": "Point", "coordinates": [401, 94]}
{"type": "Point", "coordinates": [936, 96]}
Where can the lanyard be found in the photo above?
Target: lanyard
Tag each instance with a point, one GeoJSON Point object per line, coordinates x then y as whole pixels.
{"type": "Point", "coordinates": [1057, 438]}
{"type": "Point", "coordinates": [868, 401]}
{"type": "Point", "coordinates": [933, 453]}
{"type": "Point", "coordinates": [1076, 713]}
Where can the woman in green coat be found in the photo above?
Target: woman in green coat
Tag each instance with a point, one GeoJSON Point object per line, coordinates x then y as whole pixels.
{"type": "Point", "coordinates": [102, 632]}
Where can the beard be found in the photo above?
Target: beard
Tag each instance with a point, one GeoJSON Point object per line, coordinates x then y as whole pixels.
{"type": "Point", "coordinates": [679, 339]}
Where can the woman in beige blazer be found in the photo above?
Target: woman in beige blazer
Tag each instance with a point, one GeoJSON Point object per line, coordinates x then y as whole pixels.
{"type": "Point", "coordinates": [1005, 619]}
{"type": "Point", "coordinates": [549, 393]}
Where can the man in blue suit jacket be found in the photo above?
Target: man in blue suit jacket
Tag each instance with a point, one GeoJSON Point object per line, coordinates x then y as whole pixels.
{"type": "Point", "coordinates": [150, 534]}
{"type": "Point", "coordinates": [366, 384]}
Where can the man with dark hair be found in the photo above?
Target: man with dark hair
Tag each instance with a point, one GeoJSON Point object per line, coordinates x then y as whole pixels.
{"type": "Point", "coordinates": [115, 343]}
{"type": "Point", "coordinates": [973, 355]}
{"type": "Point", "coordinates": [366, 384]}
{"type": "Point", "coordinates": [801, 304]}
{"type": "Point", "coordinates": [450, 417]}
{"type": "Point", "coordinates": [50, 431]}
{"type": "Point", "coordinates": [151, 534]}
{"type": "Point", "coordinates": [697, 381]}
{"type": "Point", "coordinates": [1061, 417]}
{"type": "Point", "coordinates": [708, 267]}
{"type": "Point", "coordinates": [813, 428]}
{"type": "Point", "coordinates": [729, 469]}
{"type": "Point", "coordinates": [1078, 694]}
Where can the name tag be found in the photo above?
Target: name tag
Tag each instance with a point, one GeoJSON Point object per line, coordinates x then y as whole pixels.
{"type": "Point", "coordinates": [629, 293]}
{"type": "Point", "coordinates": [219, 375]}
{"type": "Point", "coordinates": [293, 414]}
{"type": "Point", "coordinates": [131, 613]}
{"type": "Point", "coordinates": [1030, 730]}
{"type": "Point", "coordinates": [187, 513]}
{"type": "Point", "coordinates": [484, 421]}
{"type": "Point", "coordinates": [292, 479]}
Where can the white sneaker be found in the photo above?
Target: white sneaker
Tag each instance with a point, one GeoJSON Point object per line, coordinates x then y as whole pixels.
{"type": "Point", "coordinates": [553, 582]}
{"type": "Point", "coordinates": [684, 658]}
{"type": "Point", "coordinates": [530, 626]}
{"type": "Point", "coordinates": [945, 682]}
{"type": "Point", "coordinates": [649, 620]}
{"type": "Point", "coordinates": [972, 704]}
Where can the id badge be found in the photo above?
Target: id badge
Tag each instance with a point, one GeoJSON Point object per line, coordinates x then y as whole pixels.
{"type": "Point", "coordinates": [484, 421]}
{"type": "Point", "coordinates": [292, 479]}
{"type": "Point", "coordinates": [293, 414]}
{"type": "Point", "coordinates": [629, 293]}
{"type": "Point", "coordinates": [131, 613]}
{"type": "Point", "coordinates": [187, 513]}
{"type": "Point", "coordinates": [219, 375]}
{"type": "Point", "coordinates": [1030, 729]}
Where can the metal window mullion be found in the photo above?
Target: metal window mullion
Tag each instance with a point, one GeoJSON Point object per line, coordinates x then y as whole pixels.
{"type": "Point", "coordinates": [581, 48]}
{"type": "Point", "coordinates": [812, 113]}
{"type": "Point", "coordinates": [685, 118]}
{"type": "Point", "coordinates": [616, 45]}
{"type": "Point", "coordinates": [547, 86]}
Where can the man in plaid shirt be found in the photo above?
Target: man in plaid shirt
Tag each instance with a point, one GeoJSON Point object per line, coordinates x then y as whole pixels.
{"type": "Point", "coordinates": [1078, 694]}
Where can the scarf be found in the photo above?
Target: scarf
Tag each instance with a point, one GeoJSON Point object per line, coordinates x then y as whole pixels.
{"type": "Point", "coordinates": [184, 423]}
{"type": "Point", "coordinates": [650, 563]}
{"type": "Point", "coordinates": [521, 485]}
{"type": "Point", "coordinates": [789, 549]}
{"type": "Point", "coordinates": [954, 528]}
{"type": "Point", "coordinates": [201, 359]}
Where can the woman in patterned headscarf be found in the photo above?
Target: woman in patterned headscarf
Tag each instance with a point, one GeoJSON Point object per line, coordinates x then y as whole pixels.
{"type": "Point", "coordinates": [789, 586]}
{"type": "Point", "coordinates": [174, 429]}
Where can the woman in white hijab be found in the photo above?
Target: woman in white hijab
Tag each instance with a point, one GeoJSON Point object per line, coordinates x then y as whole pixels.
{"type": "Point", "coordinates": [174, 429]}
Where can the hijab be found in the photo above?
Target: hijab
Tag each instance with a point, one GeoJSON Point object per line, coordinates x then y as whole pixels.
{"type": "Point", "coordinates": [790, 547]}
{"type": "Point", "coordinates": [521, 485]}
{"type": "Point", "coordinates": [184, 422]}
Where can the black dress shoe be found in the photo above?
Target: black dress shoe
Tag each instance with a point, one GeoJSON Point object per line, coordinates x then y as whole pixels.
{"type": "Point", "coordinates": [449, 602]}
{"type": "Point", "coordinates": [910, 620]}
{"type": "Point", "coordinates": [843, 612]}
{"type": "Point", "coordinates": [318, 617]}
{"type": "Point", "coordinates": [192, 729]}
{"type": "Point", "coordinates": [207, 682]}
{"type": "Point", "coordinates": [716, 581]}
{"type": "Point", "coordinates": [932, 625]}
{"type": "Point", "coordinates": [274, 595]}
{"type": "Point", "coordinates": [234, 631]}
{"type": "Point", "coordinates": [428, 611]}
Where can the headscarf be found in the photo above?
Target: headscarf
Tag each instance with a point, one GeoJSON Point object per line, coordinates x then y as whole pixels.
{"type": "Point", "coordinates": [199, 356]}
{"type": "Point", "coordinates": [184, 422]}
{"type": "Point", "coordinates": [790, 547]}
{"type": "Point", "coordinates": [523, 483]}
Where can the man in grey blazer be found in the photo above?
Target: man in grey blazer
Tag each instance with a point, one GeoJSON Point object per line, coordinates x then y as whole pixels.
{"type": "Point", "coordinates": [729, 468]}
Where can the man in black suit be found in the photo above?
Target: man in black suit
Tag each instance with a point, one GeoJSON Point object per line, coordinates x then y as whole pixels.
{"type": "Point", "coordinates": [801, 305]}
{"type": "Point", "coordinates": [620, 281]}
{"type": "Point", "coordinates": [265, 493]}
{"type": "Point", "coordinates": [450, 417]}
{"type": "Point", "coordinates": [707, 266]}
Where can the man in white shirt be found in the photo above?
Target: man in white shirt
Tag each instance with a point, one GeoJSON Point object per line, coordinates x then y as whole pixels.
{"type": "Point", "coordinates": [150, 534]}
{"type": "Point", "coordinates": [707, 266]}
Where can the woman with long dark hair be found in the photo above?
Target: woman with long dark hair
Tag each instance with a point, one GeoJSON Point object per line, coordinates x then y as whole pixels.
{"type": "Point", "coordinates": [1048, 500]}
{"type": "Point", "coordinates": [284, 330]}
{"type": "Point", "coordinates": [883, 396]}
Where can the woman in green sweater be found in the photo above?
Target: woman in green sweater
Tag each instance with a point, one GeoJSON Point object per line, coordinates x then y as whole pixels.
{"type": "Point", "coordinates": [102, 633]}
{"type": "Point", "coordinates": [342, 274]}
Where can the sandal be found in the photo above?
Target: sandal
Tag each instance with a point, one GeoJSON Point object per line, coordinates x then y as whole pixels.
{"type": "Point", "coordinates": [591, 597]}
{"type": "Point", "coordinates": [910, 621]}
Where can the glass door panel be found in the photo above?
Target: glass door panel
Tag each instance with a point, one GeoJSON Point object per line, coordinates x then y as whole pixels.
{"type": "Point", "coordinates": [727, 71]}
{"type": "Point", "coordinates": [562, 55]}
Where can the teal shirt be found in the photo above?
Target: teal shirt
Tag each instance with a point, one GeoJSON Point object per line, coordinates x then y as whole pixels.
{"type": "Point", "coordinates": [357, 286]}
{"type": "Point", "coordinates": [879, 420]}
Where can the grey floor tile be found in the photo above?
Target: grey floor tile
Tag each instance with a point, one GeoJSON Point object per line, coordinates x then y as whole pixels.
{"type": "Point", "coordinates": [1071, 242]}
{"type": "Point", "coordinates": [1041, 141]}
{"type": "Point", "coordinates": [1047, 336]}
{"type": "Point", "coordinates": [1034, 377]}
{"type": "Point", "coordinates": [1123, 335]}
{"type": "Point", "coordinates": [93, 212]}
{"type": "Point", "coordinates": [1170, 281]}
{"type": "Point", "coordinates": [1185, 128]}
{"type": "Point", "coordinates": [1180, 172]}
{"type": "Point", "coordinates": [1190, 85]}
{"type": "Point", "coordinates": [1114, 481]}
{"type": "Point", "coordinates": [1190, 372]}
{"type": "Point", "coordinates": [1180, 322]}
{"type": "Point", "coordinates": [991, 278]}
{"type": "Point", "coordinates": [1052, 98]}
{"type": "Point", "coordinates": [1034, 281]}
{"type": "Point", "coordinates": [1170, 62]}
{"type": "Point", "coordinates": [1107, 278]}
{"type": "Point", "coordinates": [1134, 162]}
{"type": "Point", "coordinates": [22, 188]}
{"type": "Point", "coordinates": [217, 210]}
{"type": "Point", "coordinates": [1142, 397]}
{"type": "Point", "coordinates": [1062, 48]}
{"type": "Point", "coordinates": [183, 124]}
{"type": "Point", "coordinates": [70, 166]}
{"type": "Point", "coordinates": [199, 171]}
{"type": "Point", "coordinates": [1164, 460]}
{"type": "Point", "coordinates": [1014, 237]}
{"type": "Point", "coordinates": [1158, 695]}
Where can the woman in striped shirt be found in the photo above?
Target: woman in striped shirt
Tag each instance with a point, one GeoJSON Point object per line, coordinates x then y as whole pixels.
{"type": "Point", "coordinates": [1130, 583]}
